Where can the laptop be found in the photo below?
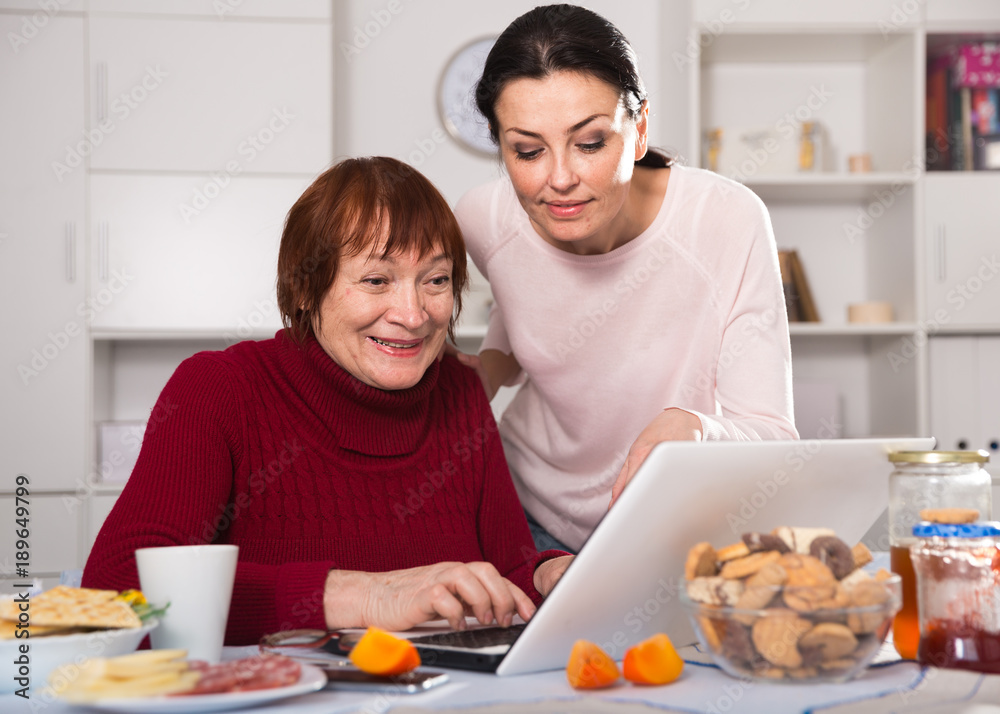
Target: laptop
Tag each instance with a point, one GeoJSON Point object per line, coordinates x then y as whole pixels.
{"type": "Point", "coordinates": [622, 586]}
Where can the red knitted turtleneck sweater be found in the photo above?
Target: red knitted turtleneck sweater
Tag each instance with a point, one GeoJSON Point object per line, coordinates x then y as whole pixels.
{"type": "Point", "coordinates": [272, 447]}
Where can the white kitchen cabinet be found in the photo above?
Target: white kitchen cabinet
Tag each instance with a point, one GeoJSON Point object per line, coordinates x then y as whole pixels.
{"type": "Point", "coordinates": [99, 506]}
{"type": "Point", "coordinates": [44, 358]}
{"type": "Point", "coordinates": [955, 390]}
{"type": "Point", "coordinates": [965, 393]}
{"type": "Point", "coordinates": [218, 9]}
{"type": "Point", "coordinates": [54, 523]}
{"type": "Point", "coordinates": [962, 15]}
{"type": "Point", "coordinates": [962, 237]}
{"type": "Point", "coordinates": [723, 14]}
{"type": "Point", "coordinates": [158, 268]}
{"type": "Point", "coordinates": [200, 95]}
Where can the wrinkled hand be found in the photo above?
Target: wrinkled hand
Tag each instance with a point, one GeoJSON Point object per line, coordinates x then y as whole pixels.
{"type": "Point", "coordinates": [548, 573]}
{"type": "Point", "coordinates": [669, 425]}
{"type": "Point", "coordinates": [401, 599]}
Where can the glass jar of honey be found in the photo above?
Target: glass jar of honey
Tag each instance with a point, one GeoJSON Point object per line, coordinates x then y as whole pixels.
{"type": "Point", "coordinates": [920, 480]}
{"type": "Point", "coordinates": [958, 590]}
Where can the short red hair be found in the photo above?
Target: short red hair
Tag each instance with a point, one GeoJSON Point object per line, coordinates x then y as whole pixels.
{"type": "Point", "coordinates": [346, 211]}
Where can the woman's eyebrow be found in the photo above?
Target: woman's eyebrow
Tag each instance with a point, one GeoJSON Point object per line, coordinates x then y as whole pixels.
{"type": "Point", "coordinates": [392, 258]}
{"type": "Point", "coordinates": [576, 127]}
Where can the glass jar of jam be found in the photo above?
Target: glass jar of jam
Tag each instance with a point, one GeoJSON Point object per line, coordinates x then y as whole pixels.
{"type": "Point", "coordinates": [958, 588]}
{"type": "Point", "coordinates": [928, 479]}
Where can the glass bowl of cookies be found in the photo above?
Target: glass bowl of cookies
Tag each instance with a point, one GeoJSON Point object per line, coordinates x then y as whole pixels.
{"type": "Point", "coordinates": [795, 605]}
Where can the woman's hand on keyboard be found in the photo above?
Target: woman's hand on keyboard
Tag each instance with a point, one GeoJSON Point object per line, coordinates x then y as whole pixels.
{"type": "Point", "coordinates": [401, 599]}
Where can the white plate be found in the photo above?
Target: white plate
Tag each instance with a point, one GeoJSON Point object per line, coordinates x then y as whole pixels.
{"type": "Point", "coordinates": [312, 679]}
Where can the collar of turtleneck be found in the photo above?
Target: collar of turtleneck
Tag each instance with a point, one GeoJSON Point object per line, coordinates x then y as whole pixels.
{"type": "Point", "coordinates": [365, 419]}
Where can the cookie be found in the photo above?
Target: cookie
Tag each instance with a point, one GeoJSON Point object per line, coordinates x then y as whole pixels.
{"type": "Point", "coordinates": [737, 645]}
{"type": "Point", "coordinates": [858, 576]}
{"type": "Point", "coordinates": [701, 561]}
{"type": "Point", "coordinates": [710, 629]}
{"type": "Point", "coordinates": [776, 637]}
{"type": "Point", "coordinates": [834, 553]}
{"type": "Point", "coordinates": [810, 582]}
{"type": "Point", "coordinates": [862, 556]}
{"type": "Point", "coordinates": [949, 515]}
{"type": "Point", "coordinates": [833, 641]}
{"type": "Point", "coordinates": [714, 590]}
{"type": "Point", "coordinates": [761, 588]}
{"type": "Point", "coordinates": [799, 539]}
{"type": "Point", "coordinates": [732, 552]}
{"type": "Point", "coordinates": [839, 600]}
{"type": "Point", "coordinates": [748, 565]}
{"type": "Point", "coordinates": [757, 542]}
{"type": "Point", "coordinates": [867, 594]}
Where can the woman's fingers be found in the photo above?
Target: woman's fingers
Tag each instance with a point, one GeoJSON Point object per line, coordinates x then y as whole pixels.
{"type": "Point", "coordinates": [399, 600]}
{"type": "Point", "coordinates": [443, 603]}
{"type": "Point", "coordinates": [478, 588]}
{"type": "Point", "coordinates": [502, 600]}
{"type": "Point", "coordinates": [522, 603]}
{"type": "Point", "coordinates": [636, 455]}
{"type": "Point", "coordinates": [473, 592]}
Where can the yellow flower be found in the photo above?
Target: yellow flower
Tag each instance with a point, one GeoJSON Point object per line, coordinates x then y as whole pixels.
{"type": "Point", "coordinates": [132, 597]}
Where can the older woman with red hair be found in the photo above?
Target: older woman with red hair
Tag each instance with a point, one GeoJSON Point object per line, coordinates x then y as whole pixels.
{"type": "Point", "coordinates": [360, 474]}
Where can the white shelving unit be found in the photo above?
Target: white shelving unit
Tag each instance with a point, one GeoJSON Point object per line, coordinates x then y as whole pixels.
{"type": "Point", "coordinates": [856, 233]}
{"type": "Point", "coordinates": [925, 242]}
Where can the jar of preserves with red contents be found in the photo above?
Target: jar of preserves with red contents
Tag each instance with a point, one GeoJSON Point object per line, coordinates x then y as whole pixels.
{"type": "Point", "coordinates": [958, 590]}
{"type": "Point", "coordinates": [928, 479]}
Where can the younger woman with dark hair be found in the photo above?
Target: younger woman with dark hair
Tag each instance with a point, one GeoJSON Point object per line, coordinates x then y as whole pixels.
{"type": "Point", "coordinates": [637, 300]}
{"type": "Point", "coordinates": [361, 476]}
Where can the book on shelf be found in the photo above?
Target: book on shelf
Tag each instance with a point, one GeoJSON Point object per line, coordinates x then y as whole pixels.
{"type": "Point", "coordinates": [963, 108]}
{"type": "Point", "coordinates": [798, 296]}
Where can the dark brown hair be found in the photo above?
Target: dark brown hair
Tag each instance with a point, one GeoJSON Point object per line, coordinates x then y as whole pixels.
{"type": "Point", "coordinates": [563, 38]}
{"type": "Point", "coordinates": [347, 211]}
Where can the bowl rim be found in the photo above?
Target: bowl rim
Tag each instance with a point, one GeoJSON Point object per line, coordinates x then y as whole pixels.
{"type": "Point", "coordinates": [894, 584]}
{"type": "Point", "coordinates": [112, 632]}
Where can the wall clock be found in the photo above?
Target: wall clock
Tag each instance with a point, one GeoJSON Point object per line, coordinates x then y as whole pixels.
{"type": "Point", "coordinates": [456, 100]}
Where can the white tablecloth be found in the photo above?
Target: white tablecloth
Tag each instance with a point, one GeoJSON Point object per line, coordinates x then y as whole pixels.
{"type": "Point", "coordinates": [894, 687]}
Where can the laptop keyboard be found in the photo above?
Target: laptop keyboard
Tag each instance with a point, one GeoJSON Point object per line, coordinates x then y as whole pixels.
{"type": "Point", "coordinates": [472, 639]}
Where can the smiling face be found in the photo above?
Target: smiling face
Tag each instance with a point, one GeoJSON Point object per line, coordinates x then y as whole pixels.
{"type": "Point", "coordinates": [385, 319]}
{"type": "Point", "coordinates": [569, 147]}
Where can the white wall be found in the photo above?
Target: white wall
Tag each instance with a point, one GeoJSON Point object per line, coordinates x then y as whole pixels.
{"type": "Point", "coordinates": [386, 91]}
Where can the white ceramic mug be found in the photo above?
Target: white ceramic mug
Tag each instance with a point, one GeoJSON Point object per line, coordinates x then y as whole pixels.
{"type": "Point", "coordinates": [197, 581]}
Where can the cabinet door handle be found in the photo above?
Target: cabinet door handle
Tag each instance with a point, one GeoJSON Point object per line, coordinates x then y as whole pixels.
{"type": "Point", "coordinates": [940, 241]}
{"type": "Point", "coordinates": [102, 251]}
{"type": "Point", "coordinates": [101, 90]}
{"type": "Point", "coordinates": [70, 252]}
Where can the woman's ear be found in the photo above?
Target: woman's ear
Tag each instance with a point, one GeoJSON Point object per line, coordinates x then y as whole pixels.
{"type": "Point", "coordinates": [642, 130]}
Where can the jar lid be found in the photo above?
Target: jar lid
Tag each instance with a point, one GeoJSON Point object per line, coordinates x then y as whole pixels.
{"type": "Point", "coordinates": [956, 530]}
{"type": "Point", "coordinates": [939, 457]}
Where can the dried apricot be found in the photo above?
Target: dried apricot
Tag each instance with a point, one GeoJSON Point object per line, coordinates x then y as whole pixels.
{"type": "Point", "coordinates": [653, 661]}
{"type": "Point", "coordinates": [378, 652]}
{"type": "Point", "coordinates": [590, 667]}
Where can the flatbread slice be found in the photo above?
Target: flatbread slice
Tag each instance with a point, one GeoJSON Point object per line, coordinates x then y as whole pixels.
{"type": "Point", "coordinates": [8, 630]}
{"type": "Point", "coordinates": [75, 607]}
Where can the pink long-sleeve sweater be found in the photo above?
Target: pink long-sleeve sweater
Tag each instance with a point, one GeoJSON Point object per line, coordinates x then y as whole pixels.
{"type": "Point", "coordinates": [688, 314]}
